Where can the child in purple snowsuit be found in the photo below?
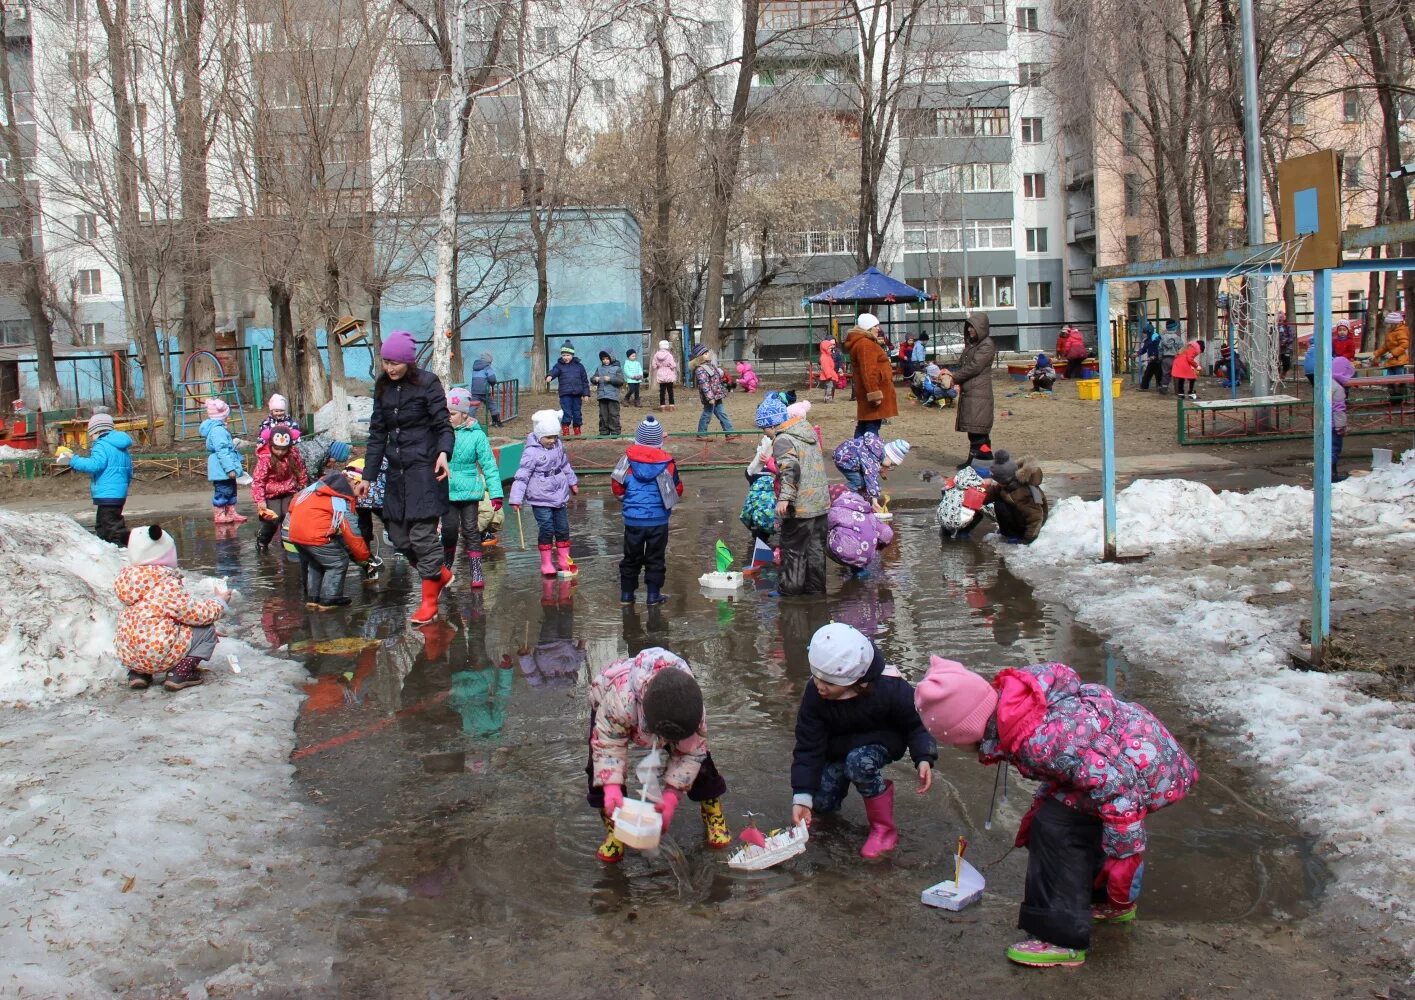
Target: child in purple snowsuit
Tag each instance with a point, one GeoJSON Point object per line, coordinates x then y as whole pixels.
{"type": "Point", "coordinates": [853, 533]}
{"type": "Point", "coordinates": [546, 481]}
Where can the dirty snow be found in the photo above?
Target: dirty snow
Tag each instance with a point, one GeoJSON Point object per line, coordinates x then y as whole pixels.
{"type": "Point", "coordinates": [1345, 762]}
{"type": "Point", "coordinates": [360, 409]}
{"type": "Point", "coordinates": [146, 837]}
{"type": "Point", "coordinates": [7, 452]}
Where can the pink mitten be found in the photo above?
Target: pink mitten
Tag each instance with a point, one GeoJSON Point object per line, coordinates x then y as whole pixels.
{"type": "Point", "coordinates": [666, 805]}
{"type": "Point", "coordinates": [1121, 877]}
{"type": "Point", "coordinates": [613, 798]}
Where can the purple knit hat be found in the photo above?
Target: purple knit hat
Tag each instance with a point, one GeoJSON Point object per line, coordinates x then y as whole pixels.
{"type": "Point", "coordinates": [400, 348]}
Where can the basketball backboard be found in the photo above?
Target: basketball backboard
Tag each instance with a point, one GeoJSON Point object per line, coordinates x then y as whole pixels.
{"type": "Point", "coordinates": [1309, 207]}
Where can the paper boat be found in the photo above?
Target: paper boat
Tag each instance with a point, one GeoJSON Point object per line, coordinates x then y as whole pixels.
{"type": "Point", "coordinates": [885, 516]}
{"type": "Point", "coordinates": [947, 896]}
{"type": "Point", "coordinates": [721, 581]}
{"type": "Point", "coordinates": [780, 846]}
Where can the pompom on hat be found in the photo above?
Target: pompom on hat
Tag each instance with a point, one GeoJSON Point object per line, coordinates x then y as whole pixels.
{"type": "Point", "coordinates": [151, 546]}
{"type": "Point", "coordinates": [217, 409]}
{"type": "Point", "coordinates": [954, 703]}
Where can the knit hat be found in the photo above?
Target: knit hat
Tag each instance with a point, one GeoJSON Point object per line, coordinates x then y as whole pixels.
{"type": "Point", "coordinates": [1004, 470]}
{"type": "Point", "coordinates": [839, 654]}
{"type": "Point", "coordinates": [355, 469]}
{"type": "Point", "coordinates": [567, 348]}
{"type": "Point", "coordinates": [798, 409]}
{"type": "Point", "coordinates": [339, 451]}
{"type": "Point", "coordinates": [699, 351]}
{"type": "Point", "coordinates": [546, 423]}
{"type": "Point", "coordinates": [280, 436]}
{"type": "Point", "coordinates": [1395, 317]}
{"type": "Point", "coordinates": [278, 402]}
{"type": "Point", "coordinates": [484, 356]}
{"type": "Point", "coordinates": [673, 704]}
{"type": "Point", "coordinates": [99, 422]}
{"type": "Point", "coordinates": [459, 400]}
{"type": "Point", "coordinates": [1042, 361]}
{"type": "Point", "coordinates": [664, 345]}
{"type": "Point", "coordinates": [217, 409]}
{"type": "Point", "coordinates": [896, 450]}
{"type": "Point", "coordinates": [151, 546]}
{"type": "Point", "coordinates": [933, 370]}
{"type": "Point", "coordinates": [649, 432]}
{"type": "Point", "coordinates": [399, 348]}
{"type": "Point", "coordinates": [954, 703]}
{"type": "Point", "coordinates": [867, 321]}
{"type": "Point", "coordinates": [771, 413]}
{"type": "Point", "coordinates": [631, 353]}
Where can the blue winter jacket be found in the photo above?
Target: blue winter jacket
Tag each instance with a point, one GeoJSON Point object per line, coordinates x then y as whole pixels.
{"type": "Point", "coordinates": [572, 378]}
{"type": "Point", "coordinates": [224, 458]}
{"type": "Point", "coordinates": [646, 479]}
{"type": "Point", "coordinates": [483, 379]}
{"type": "Point", "coordinates": [109, 464]}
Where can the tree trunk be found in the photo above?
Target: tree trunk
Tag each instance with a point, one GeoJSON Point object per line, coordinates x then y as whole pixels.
{"type": "Point", "coordinates": [198, 306]}
{"type": "Point", "coordinates": [452, 150]}
{"type": "Point", "coordinates": [1387, 87]}
{"type": "Point", "coordinates": [282, 324]}
{"type": "Point", "coordinates": [660, 281]}
{"type": "Point", "coordinates": [375, 323]}
{"type": "Point", "coordinates": [337, 391]}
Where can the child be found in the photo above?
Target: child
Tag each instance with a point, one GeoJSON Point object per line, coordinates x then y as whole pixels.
{"type": "Point", "coordinates": [831, 359]}
{"type": "Point", "coordinates": [932, 385]}
{"type": "Point", "coordinates": [633, 378]}
{"type": "Point", "coordinates": [642, 700]}
{"type": "Point", "coordinates": [279, 409]}
{"type": "Point", "coordinates": [864, 460]}
{"type": "Point", "coordinates": [326, 536]}
{"type": "Point", "coordinates": [1342, 372]}
{"type": "Point", "coordinates": [162, 628]}
{"type": "Point", "coordinates": [483, 387]}
{"type": "Point", "coordinates": [318, 451]}
{"type": "Point", "coordinates": [1186, 369]}
{"type": "Point", "coordinates": [369, 504]}
{"type": "Point", "coordinates": [472, 464]}
{"type": "Point", "coordinates": [1171, 343]}
{"type": "Point", "coordinates": [546, 481]}
{"type": "Point", "coordinates": [1103, 765]}
{"type": "Point", "coordinates": [856, 716]}
{"type": "Point", "coordinates": [707, 376]}
{"type": "Point", "coordinates": [646, 479]}
{"type": "Point", "coordinates": [759, 508]}
{"type": "Point", "coordinates": [962, 503]}
{"type": "Point", "coordinates": [1018, 503]}
{"type": "Point", "coordinates": [1043, 375]}
{"type": "Point", "coordinates": [802, 499]}
{"type": "Point", "coordinates": [111, 469]}
{"type": "Point", "coordinates": [223, 465]}
{"type": "Point", "coordinates": [746, 376]}
{"type": "Point", "coordinates": [609, 378]}
{"type": "Point", "coordinates": [574, 386]}
{"type": "Point", "coordinates": [665, 373]}
{"type": "Point", "coordinates": [854, 534]}
{"type": "Point", "coordinates": [279, 475]}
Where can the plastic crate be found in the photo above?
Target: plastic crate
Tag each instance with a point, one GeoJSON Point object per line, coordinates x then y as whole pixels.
{"type": "Point", "coordinates": [1091, 388]}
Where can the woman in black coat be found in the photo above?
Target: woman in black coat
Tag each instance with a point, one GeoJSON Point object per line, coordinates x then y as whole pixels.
{"type": "Point", "coordinates": [410, 428]}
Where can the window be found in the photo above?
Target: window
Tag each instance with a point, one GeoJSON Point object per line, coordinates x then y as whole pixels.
{"type": "Point", "coordinates": [983, 234]}
{"type": "Point", "coordinates": [80, 118]}
{"type": "Point", "coordinates": [91, 334]}
{"type": "Point", "coordinates": [1027, 19]}
{"type": "Point", "coordinates": [1030, 74]}
{"type": "Point", "coordinates": [1039, 294]}
{"type": "Point", "coordinates": [1034, 186]}
{"type": "Point", "coordinates": [90, 282]}
{"type": "Point", "coordinates": [547, 39]}
{"type": "Point", "coordinates": [1130, 132]}
{"type": "Point", "coordinates": [1031, 130]}
{"type": "Point", "coordinates": [798, 13]}
{"type": "Point", "coordinates": [1351, 170]}
{"type": "Point", "coordinates": [714, 33]}
{"type": "Point", "coordinates": [1132, 195]}
{"type": "Point", "coordinates": [602, 89]}
{"type": "Point", "coordinates": [952, 178]}
{"type": "Point", "coordinates": [962, 122]}
{"type": "Point", "coordinates": [1355, 303]}
{"type": "Point", "coordinates": [78, 64]}
{"type": "Point", "coordinates": [1037, 240]}
{"type": "Point", "coordinates": [76, 12]}
{"type": "Point", "coordinates": [1132, 249]}
{"type": "Point", "coordinates": [1302, 304]}
{"type": "Point", "coordinates": [953, 12]}
{"type": "Point", "coordinates": [86, 226]}
{"type": "Point", "coordinates": [1351, 105]}
{"type": "Point", "coordinates": [1296, 109]}
{"type": "Point", "coordinates": [85, 173]}
{"type": "Point", "coordinates": [813, 243]}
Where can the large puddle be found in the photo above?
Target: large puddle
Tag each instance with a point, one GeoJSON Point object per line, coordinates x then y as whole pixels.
{"type": "Point", "coordinates": [457, 752]}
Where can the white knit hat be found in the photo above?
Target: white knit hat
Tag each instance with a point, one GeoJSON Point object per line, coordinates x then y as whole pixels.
{"type": "Point", "coordinates": [278, 402]}
{"type": "Point", "coordinates": [151, 546]}
{"type": "Point", "coordinates": [664, 345]}
{"type": "Point", "coordinates": [1395, 317]}
{"type": "Point", "coordinates": [896, 450]}
{"type": "Point", "coordinates": [546, 423]}
{"type": "Point", "coordinates": [867, 321]}
{"type": "Point", "coordinates": [839, 654]}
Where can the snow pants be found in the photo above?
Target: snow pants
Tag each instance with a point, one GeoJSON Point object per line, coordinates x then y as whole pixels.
{"type": "Point", "coordinates": [802, 556]}
{"type": "Point", "coordinates": [665, 394]}
{"type": "Point", "coordinates": [609, 418]}
{"type": "Point", "coordinates": [1063, 859]}
{"type": "Point", "coordinates": [461, 519]}
{"type": "Point", "coordinates": [646, 547]}
{"type": "Point", "coordinates": [861, 767]}
{"type": "Point", "coordinates": [571, 414]}
{"type": "Point", "coordinates": [269, 529]}
{"type": "Point", "coordinates": [108, 523]}
{"type": "Point", "coordinates": [420, 543]}
{"type": "Point", "coordinates": [325, 567]}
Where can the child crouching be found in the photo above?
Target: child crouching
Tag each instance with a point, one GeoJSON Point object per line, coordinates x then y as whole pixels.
{"type": "Point", "coordinates": [856, 716]}
{"type": "Point", "coordinates": [641, 700]}
{"type": "Point", "coordinates": [323, 527]}
{"type": "Point", "coordinates": [162, 628]}
{"type": "Point", "coordinates": [1104, 764]}
{"type": "Point", "coordinates": [855, 532]}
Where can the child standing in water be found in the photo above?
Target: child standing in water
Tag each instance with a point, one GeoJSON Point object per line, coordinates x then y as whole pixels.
{"type": "Point", "coordinates": [279, 475]}
{"type": "Point", "coordinates": [646, 479]}
{"type": "Point", "coordinates": [644, 700]}
{"type": "Point", "coordinates": [472, 462]}
{"type": "Point", "coordinates": [223, 465]}
{"type": "Point", "coordinates": [546, 481]}
{"type": "Point", "coordinates": [1104, 765]}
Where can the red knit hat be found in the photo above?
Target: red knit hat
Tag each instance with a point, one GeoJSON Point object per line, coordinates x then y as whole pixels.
{"type": "Point", "coordinates": [954, 703]}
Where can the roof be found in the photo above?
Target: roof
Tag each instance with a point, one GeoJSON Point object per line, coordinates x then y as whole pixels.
{"type": "Point", "coordinates": [872, 287]}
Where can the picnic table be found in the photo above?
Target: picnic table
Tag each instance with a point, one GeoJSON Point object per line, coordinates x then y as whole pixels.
{"type": "Point", "coordinates": [74, 433]}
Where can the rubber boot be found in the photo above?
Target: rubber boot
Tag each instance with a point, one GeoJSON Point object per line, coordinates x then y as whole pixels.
{"type": "Point", "coordinates": [718, 835]}
{"type": "Point", "coordinates": [564, 430]}
{"type": "Point", "coordinates": [579, 431]}
{"type": "Point", "coordinates": [547, 568]}
{"type": "Point", "coordinates": [562, 555]}
{"type": "Point", "coordinates": [218, 514]}
{"type": "Point", "coordinates": [611, 852]}
{"type": "Point", "coordinates": [427, 610]}
{"type": "Point", "coordinates": [883, 834]}
{"type": "Point", "coordinates": [654, 597]}
{"type": "Point", "coordinates": [474, 562]}
{"type": "Point", "coordinates": [234, 516]}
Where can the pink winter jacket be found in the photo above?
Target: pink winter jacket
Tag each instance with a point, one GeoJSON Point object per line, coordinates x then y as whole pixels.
{"type": "Point", "coordinates": [1092, 752]}
{"type": "Point", "coordinates": [616, 705]}
{"type": "Point", "coordinates": [665, 366]}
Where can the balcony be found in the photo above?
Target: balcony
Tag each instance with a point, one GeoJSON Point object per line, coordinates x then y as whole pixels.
{"type": "Point", "coordinates": [1081, 226]}
{"type": "Point", "coordinates": [1082, 282]}
{"type": "Point", "coordinates": [1080, 171]}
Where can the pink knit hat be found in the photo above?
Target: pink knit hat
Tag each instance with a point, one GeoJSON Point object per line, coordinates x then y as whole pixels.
{"type": "Point", "coordinates": [954, 703]}
{"type": "Point", "coordinates": [217, 409]}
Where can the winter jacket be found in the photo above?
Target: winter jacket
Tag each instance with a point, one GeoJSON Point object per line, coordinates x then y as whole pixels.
{"type": "Point", "coordinates": [665, 366]}
{"type": "Point", "coordinates": [1342, 372]}
{"type": "Point", "coordinates": [571, 378]}
{"type": "Point", "coordinates": [854, 533]}
{"type": "Point", "coordinates": [109, 464]}
{"type": "Point", "coordinates": [1092, 752]}
{"type": "Point", "coordinates": [409, 427]}
{"type": "Point", "coordinates": [646, 479]}
{"type": "Point", "coordinates": [800, 477]}
{"type": "Point", "coordinates": [1397, 345]}
{"type": "Point", "coordinates": [224, 458]}
{"type": "Point", "coordinates": [544, 477]}
{"type": "Point", "coordinates": [1071, 345]}
{"type": "Point", "coordinates": [1020, 506]}
{"type": "Point", "coordinates": [633, 371]}
{"type": "Point", "coordinates": [616, 705]}
{"type": "Point", "coordinates": [1149, 347]}
{"type": "Point", "coordinates": [758, 511]}
{"type": "Point", "coordinates": [873, 376]}
{"type": "Point", "coordinates": [883, 714]}
{"type": "Point", "coordinates": [1344, 347]}
{"type": "Point", "coordinates": [746, 377]}
{"type": "Point", "coordinates": [954, 514]}
{"type": "Point", "coordinates": [378, 489]}
{"type": "Point", "coordinates": [1186, 363]}
{"type": "Point", "coordinates": [314, 454]}
{"type": "Point", "coordinates": [827, 360]}
{"type": "Point", "coordinates": [155, 625]}
{"type": "Point", "coordinates": [973, 377]}
{"type": "Point", "coordinates": [272, 479]}
{"type": "Point", "coordinates": [610, 379]}
{"type": "Point", "coordinates": [472, 460]}
{"type": "Point", "coordinates": [483, 379]}
{"type": "Point", "coordinates": [323, 512]}
{"type": "Point", "coordinates": [865, 455]}
{"type": "Point", "coordinates": [708, 378]}
{"type": "Point", "coordinates": [1170, 344]}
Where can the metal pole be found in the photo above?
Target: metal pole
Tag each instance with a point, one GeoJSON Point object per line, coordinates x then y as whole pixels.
{"type": "Point", "coordinates": [1103, 348]}
{"type": "Point", "coordinates": [1321, 468]}
{"type": "Point", "coordinates": [1254, 287]}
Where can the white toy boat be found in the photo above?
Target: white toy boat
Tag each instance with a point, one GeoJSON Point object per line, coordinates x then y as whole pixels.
{"type": "Point", "coordinates": [950, 896]}
{"type": "Point", "coordinates": [638, 824]}
{"type": "Point", "coordinates": [780, 846]}
{"type": "Point", "coordinates": [721, 581]}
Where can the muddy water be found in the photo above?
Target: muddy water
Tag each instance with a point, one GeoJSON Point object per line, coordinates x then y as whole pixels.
{"type": "Point", "coordinates": [458, 750]}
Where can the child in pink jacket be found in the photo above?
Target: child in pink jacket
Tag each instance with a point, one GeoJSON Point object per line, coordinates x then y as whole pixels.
{"type": "Point", "coordinates": [665, 373]}
{"type": "Point", "coordinates": [1104, 765]}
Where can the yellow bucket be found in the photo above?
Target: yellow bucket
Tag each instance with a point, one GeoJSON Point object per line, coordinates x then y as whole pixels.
{"type": "Point", "coordinates": [1090, 388]}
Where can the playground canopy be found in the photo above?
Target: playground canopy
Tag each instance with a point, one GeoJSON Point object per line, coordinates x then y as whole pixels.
{"type": "Point", "coordinates": [871, 287]}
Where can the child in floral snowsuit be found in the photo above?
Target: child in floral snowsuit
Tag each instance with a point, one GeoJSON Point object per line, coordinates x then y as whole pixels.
{"type": "Point", "coordinates": [642, 700]}
{"type": "Point", "coordinates": [1104, 764]}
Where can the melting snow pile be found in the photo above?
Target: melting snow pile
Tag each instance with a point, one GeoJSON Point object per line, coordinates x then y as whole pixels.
{"type": "Point", "coordinates": [7, 452]}
{"type": "Point", "coordinates": [360, 409]}
{"type": "Point", "coordinates": [1345, 761]}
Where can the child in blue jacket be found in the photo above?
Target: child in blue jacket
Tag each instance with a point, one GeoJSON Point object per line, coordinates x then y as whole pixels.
{"type": "Point", "coordinates": [646, 479]}
{"type": "Point", "coordinates": [111, 468]}
{"type": "Point", "coordinates": [574, 386]}
{"type": "Point", "coordinates": [223, 465]}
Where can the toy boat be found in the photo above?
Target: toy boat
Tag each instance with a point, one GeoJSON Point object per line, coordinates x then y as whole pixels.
{"type": "Point", "coordinates": [721, 581]}
{"type": "Point", "coordinates": [948, 895]}
{"type": "Point", "coordinates": [780, 846]}
{"type": "Point", "coordinates": [638, 824]}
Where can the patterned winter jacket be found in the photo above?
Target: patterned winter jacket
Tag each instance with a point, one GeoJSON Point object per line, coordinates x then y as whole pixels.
{"type": "Point", "coordinates": [801, 469]}
{"type": "Point", "coordinates": [155, 625]}
{"type": "Point", "coordinates": [865, 455]}
{"type": "Point", "coordinates": [708, 378]}
{"type": "Point", "coordinates": [616, 705]}
{"type": "Point", "coordinates": [1092, 752]}
{"type": "Point", "coordinates": [272, 480]}
{"type": "Point", "coordinates": [854, 532]}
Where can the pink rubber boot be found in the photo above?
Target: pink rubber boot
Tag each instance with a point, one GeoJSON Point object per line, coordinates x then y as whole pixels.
{"type": "Point", "coordinates": [883, 833]}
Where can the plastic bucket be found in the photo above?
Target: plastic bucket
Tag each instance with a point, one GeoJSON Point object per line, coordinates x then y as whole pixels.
{"type": "Point", "coordinates": [638, 824]}
{"type": "Point", "coordinates": [1380, 458]}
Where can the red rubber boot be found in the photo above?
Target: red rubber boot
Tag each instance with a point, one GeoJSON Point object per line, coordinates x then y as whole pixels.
{"type": "Point", "coordinates": [427, 610]}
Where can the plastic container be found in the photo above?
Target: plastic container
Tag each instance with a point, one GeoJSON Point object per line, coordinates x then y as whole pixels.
{"type": "Point", "coordinates": [1091, 388]}
{"type": "Point", "coordinates": [947, 896]}
{"type": "Point", "coordinates": [1380, 459]}
{"type": "Point", "coordinates": [721, 581]}
{"type": "Point", "coordinates": [638, 824]}
{"type": "Point", "coordinates": [780, 846]}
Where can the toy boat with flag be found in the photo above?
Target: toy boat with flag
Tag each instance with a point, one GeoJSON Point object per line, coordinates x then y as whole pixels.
{"type": "Point", "coordinates": [722, 580]}
{"type": "Point", "coordinates": [780, 846]}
